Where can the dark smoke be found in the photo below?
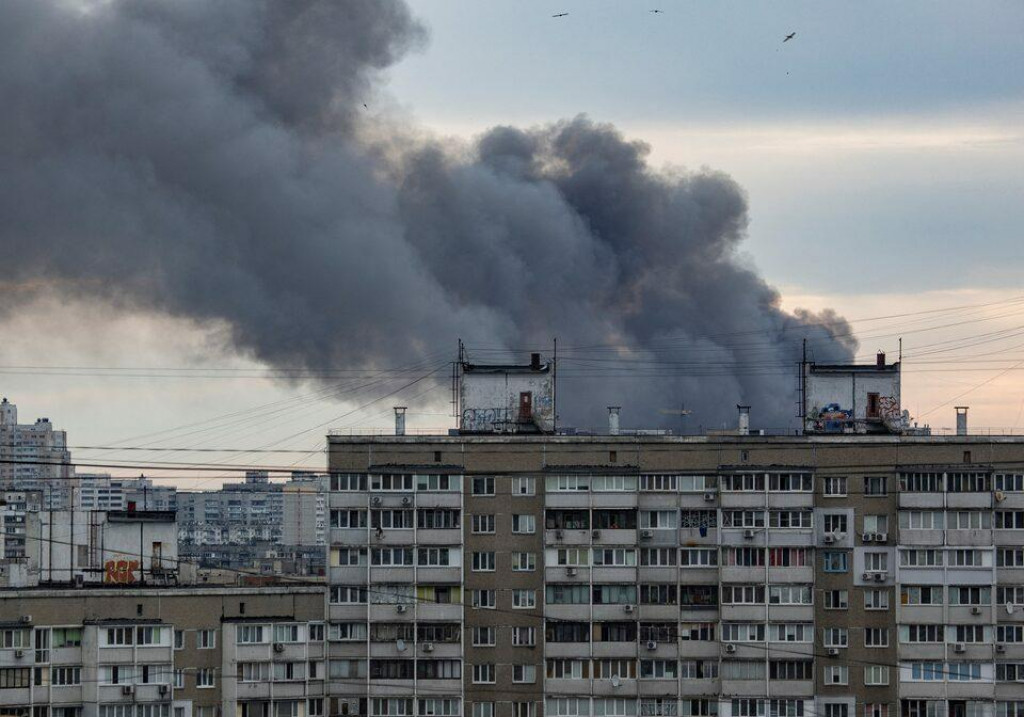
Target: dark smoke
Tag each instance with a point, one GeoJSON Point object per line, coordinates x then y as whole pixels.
{"type": "Point", "coordinates": [204, 159]}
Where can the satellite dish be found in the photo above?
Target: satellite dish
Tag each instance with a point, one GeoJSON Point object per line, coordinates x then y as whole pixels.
{"type": "Point", "coordinates": [1010, 607]}
{"type": "Point", "coordinates": [400, 645]}
{"type": "Point", "coordinates": [616, 682]}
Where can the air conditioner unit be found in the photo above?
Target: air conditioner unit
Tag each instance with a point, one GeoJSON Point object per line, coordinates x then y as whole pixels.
{"type": "Point", "coordinates": [1000, 648]}
{"type": "Point", "coordinates": [829, 538]}
{"type": "Point", "coordinates": [571, 572]}
{"type": "Point", "coordinates": [428, 647]}
{"type": "Point", "coordinates": [406, 500]}
{"type": "Point", "coordinates": [748, 533]}
{"type": "Point", "coordinates": [278, 647]}
{"type": "Point", "coordinates": [375, 500]}
{"type": "Point", "coordinates": [400, 608]}
{"type": "Point", "coordinates": [867, 537]}
{"type": "Point", "coordinates": [881, 576]}
{"type": "Point", "coordinates": [163, 689]}
{"type": "Point", "coordinates": [881, 537]}
{"type": "Point", "coordinates": [730, 647]}
{"type": "Point", "coordinates": [975, 610]}
{"type": "Point", "coordinates": [833, 652]}
{"type": "Point", "coordinates": [19, 653]}
{"type": "Point", "coordinates": [959, 647]}
{"type": "Point", "coordinates": [866, 576]}
{"type": "Point", "coordinates": [26, 618]}
{"type": "Point", "coordinates": [126, 689]}
{"type": "Point", "coordinates": [646, 535]}
{"type": "Point", "coordinates": [709, 496]}
{"type": "Point", "coordinates": [628, 608]}
{"type": "Point", "coordinates": [595, 534]}
{"type": "Point", "coordinates": [559, 534]}
{"type": "Point", "coordinates": [652, 645]}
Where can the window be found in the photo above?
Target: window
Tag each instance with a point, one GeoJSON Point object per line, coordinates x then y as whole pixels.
{"type": "Point", "coordinates": [688, 557]}
{"type": "Point", "coordinates": [438, 557]}
{"type": "Point", "coordinates": [876, 637]}
{"type": "Point", "coordinates": [347, 631]}
{"type": "Point", "coordinates": [1010, 557]}
{"type": "Point", "coordinates": [876, 709]}
{"type": "Point", "coordinates": [205, 677]}
{"type": "Point", "coordinates": [970, 595]}
{"type": "Point", "coordinates": [698, 519]}
{"type": "Point", "coordinates": [483, 599]}
{"type": "Point", "coordinates": [206, 639]}
{"type": "Point", "coordinates": [483, 674]}
{"type": "Point", "coordinates": [438, 518]}
{"type": "Point", "coordinates": [439, 707]}
{"type": "Point", "coordinates": [348, 482]}
{"type": "Point", "coordinates": [65, 676]}
{"type": "Point", "coordinates": [668, 669]}
{"type": "Point", "coordinates": [1010, 633]}
{"type": "Point", "coordinates": [660, 483]}
{"type": "Point", "coordinates": [790, 519]}
{"type": "Point", "coordinates": [567, 594]}
{"type": "Point", "coordinates": [391, 482]}
{"type": "Point", "coordinates": [835, 637]}
{"type": "Point", "coordinates": [876, 599]}
{"type": "Point", "coordinates": [837, 675]}
{"type": "Point", "coordinates": [118, 636]}
{"type": "Point", "coordinates": [969, 520]}
{"type": "Point", "coordinates": [524, 598]}
{"type": "Point", "coordinates": [523, 709]}
{"type": "Point", "coordinates": [522, 562]}
{"type": "Point", "coordinates": [876, 561]}
{"type": "Point", "coordinates": [659, 519]}
{"type": "Point", "coordinates": [791, 670]}
{"type": "Point", "coordinates": [743, 594]}
{"type": "Point", "coordinates": [837, 709]}
{"type": "Point", "coordinates": [837, 599]}
{"type": "Point", "coordinates": [743, 632]}
{"type": "Point", "coordinates": [483, 485]}
{"type": "Point", "coordinates": [1010, 482]}
{"type": "Point", "coordinates": [179, 640]}
{"type": "Point", "coordinates": [834, 486]}
{"type": "Point", "coordinates": [63, 637]}
{"type": "Point", "coordinates": [965, 558]}
{"type": "Point", "coordinates": [876, 675]}
{"type": "Point", "coordinates": [834, 523]}
{"type": "Point", "coordinates": [483, 524]}
{"type": "Point", "coordinates": [253, 634]}
{"type": "Point", "coordinates": [483, 562]}
{"type": "Point", "coordinates": [524, 674]}
{"type": "Point", "coordinates": [920, 557]}
{"type": "Point", "coordinates": [921, 595]}
{"type": "Point", "coordinates": [790, 595]}
{"type": "Point", "coordinates": [876, 524]}
{"type": "Point", "coordinates": [179, 678]}
{"type": "Point", "coordinates": [743, 518]}
{"type": "Point", "coordinates": [432, 482]}
{"type": "Point", "coordinates": [524, 485]}
{"type": "Point", "coordinates": [348, 518]}
{"type": "Point", "coordinates": [790, 632]}
{"type": "Point", "coordinates": [922, 483]}
{"type": "Point", "coordinates": [524, 636]}
{"type": "Point", "coordinates": [615, 557]}
{"type": "Point", "coordinates": [484, 636]}
{"type": "Point", "coordinates": [483, 709]}
{"type": "Point", "coordinates": [1009, 519]}
{"type": "Point", "coordinates": [875, 486]}
{"type": "Point", "coordinates": [834, 561]}
{"type": "Point", "coordinates": [524, 524]}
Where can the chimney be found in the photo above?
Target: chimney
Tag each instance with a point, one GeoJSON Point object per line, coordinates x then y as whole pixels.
{"type": "Point", "coordinates": [613, 420]}
{"type": "Point", "coordinates": [399, 420]}
{"type": "Point", "coordinates": [744, 420]}
{"type": "Point", "coordinates": [535, 362]}
{"type": "Point", "coordinates": [880, 360]}
{"type": "Point", "coordinates": [961, 420]}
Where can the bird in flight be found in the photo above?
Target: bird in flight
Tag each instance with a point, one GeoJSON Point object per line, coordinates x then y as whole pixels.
{"type": "Point", "coordinates": [561, 14]}
{"type": "Point", "coordinates": [657, 12]}
{"type": "Point", "coordinates": [789, 37]}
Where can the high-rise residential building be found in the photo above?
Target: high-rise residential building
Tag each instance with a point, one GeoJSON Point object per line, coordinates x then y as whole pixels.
{"type": "Point", "coordinates": [35, 457]}
{"type": "Point", "coordinates": [101, 491]}
{"type": "Point", "coordinates": [858, 569]}
{"type": "Point", "coordinates": [258, 524]}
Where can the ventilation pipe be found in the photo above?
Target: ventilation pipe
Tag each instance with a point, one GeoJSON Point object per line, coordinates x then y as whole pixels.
{"type": "Point", "coordinates": [880, 360]}
{"type": "Point", "coordinates": [399, 420]}
{"type": "Point", "coordinates": [744, 420]}
{"type": "Point", "coordinates": [613, 420]}
{"type": "Point", "coordinates": [535, 362]}
{"type": "Point", "coordinates": [961, 420]}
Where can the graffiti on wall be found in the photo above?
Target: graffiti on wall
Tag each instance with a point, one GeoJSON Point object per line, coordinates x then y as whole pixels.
{"type": "Point", "coordinates": [833, 418]}
{"type": "Point", "coordinates": [889, 410]}
{"type": "Point", "coordinates": [120, 572]}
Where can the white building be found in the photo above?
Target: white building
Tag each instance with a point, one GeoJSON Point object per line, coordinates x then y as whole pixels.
{"type": "Point", "coordinates": [851, 398]}
{"type": "Point", "coordinates": [507, 398]}
{"type": "Point", "coordinates": [129, 547]}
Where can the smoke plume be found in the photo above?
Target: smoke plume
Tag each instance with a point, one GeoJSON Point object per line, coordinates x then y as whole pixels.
{"type": "Point", "coordinates": [205, 160]}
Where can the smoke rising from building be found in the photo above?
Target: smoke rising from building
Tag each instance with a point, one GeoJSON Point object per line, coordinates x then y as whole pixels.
{"type": "Point", "coordinates": [207, 160]}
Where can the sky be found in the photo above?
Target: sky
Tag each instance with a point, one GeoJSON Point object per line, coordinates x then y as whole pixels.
{"type": "Point", "coordinates": [879, 150]}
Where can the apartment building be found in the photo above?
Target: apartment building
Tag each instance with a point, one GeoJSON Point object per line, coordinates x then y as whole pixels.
{"type": "Point", "coordinates": [166, 652]}
{"type": "Point", "coordinates": [35, 457]}
{"type": "Point", "coordinates": [740, 576]}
